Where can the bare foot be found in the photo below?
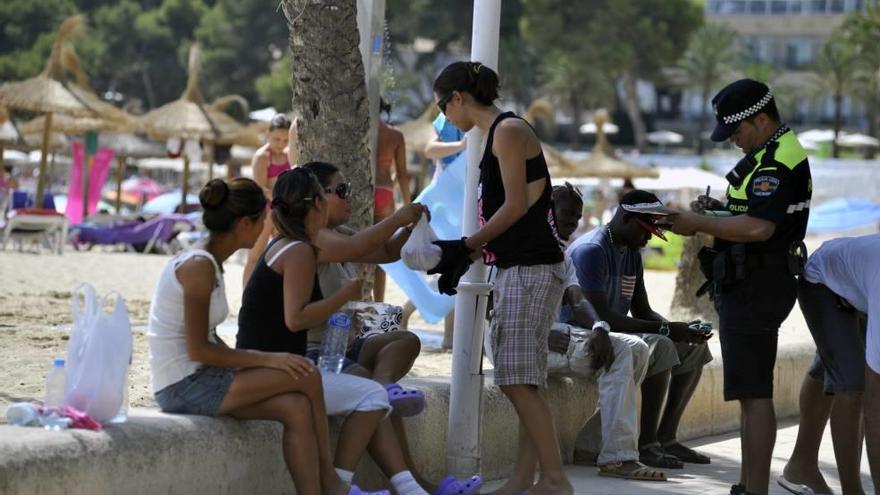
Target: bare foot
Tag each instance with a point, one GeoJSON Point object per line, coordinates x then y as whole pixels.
{"type": "Point", "coordinates": [812, 479]}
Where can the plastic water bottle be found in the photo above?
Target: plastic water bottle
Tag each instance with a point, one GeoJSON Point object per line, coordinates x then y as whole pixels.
{"type": "Point", "coordinates": [334, 343]}
{"type": "Point", "coordinates": [55, 382]}
{"type": "Point", "coordinates": [122, 415]}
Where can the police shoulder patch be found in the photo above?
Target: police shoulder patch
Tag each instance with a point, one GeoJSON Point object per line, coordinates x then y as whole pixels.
{"type": "Point", "coordinates": [764, 185]}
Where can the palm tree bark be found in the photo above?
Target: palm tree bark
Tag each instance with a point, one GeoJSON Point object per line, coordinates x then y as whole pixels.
{"type": "Point", "coordinates": [631, 103]}
{"type": "Point", "coordinates": [701, 124]}
{"type": "Point", "coordinates": [838, 123]}
{"type": "Point", "coordinates": [685, 304]}
{"type": "Point", "coordinates": [330, 94]}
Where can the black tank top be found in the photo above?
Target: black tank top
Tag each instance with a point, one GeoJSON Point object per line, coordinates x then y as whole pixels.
{"type": "Point", "coordinates": [261, 323]}
{"type": "Point", "coordinates": [532, 240]}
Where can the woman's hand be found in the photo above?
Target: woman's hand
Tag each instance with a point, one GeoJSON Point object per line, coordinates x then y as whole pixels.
{"type": "Point", "coordinates": [293, 364]}
{"type": "Point", "coordinates": [410, 213]}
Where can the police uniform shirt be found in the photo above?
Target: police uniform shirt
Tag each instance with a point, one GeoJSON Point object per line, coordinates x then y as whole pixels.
{"type": "Point", "coordinates": [777, 189]}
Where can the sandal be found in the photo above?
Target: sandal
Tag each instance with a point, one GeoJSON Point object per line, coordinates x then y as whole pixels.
{"type": "Point", "coordinates": [452, 486]}
{"type": "Point", "coordinates": [686, 454]}
{"type": "Point", "coordinates": [405, 403]}
{"type": "Point", "coordinates": [654, 456]}
{"type": "Point", "coordinates": [797, 488]}
{"type": "Point", "coordinates": [641, 473]}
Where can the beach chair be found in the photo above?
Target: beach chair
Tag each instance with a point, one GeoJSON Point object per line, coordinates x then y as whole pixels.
{"type": "Point", "coordinates": [42, 226]}
{"type": "Point", "coordinates": [136, 236]}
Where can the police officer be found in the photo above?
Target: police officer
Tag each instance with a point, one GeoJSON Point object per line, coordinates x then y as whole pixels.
{"type": "Point", "coordinates": [758, 238]}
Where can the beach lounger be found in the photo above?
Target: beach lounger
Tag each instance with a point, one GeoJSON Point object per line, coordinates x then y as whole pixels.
{"type": "Point", "coordinates": [157, 232]}
{"type": "Point", "coordinates": [38, 225]}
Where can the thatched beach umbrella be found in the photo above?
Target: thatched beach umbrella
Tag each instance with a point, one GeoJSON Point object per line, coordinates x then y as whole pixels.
{"type": "Point", "coordinates": [418, 132]}
{"type": "Point", "coordinates": [601, 162]}
{"type": "Point", "coordinates": [48, 93]}
{"type": "Point", "coordinates": [189, 117]}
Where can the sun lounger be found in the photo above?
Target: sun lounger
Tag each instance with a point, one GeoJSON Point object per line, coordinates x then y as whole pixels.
{"type": "Point", "coordinates": [38, 225]}
{"type": "Point", "coordinates": [158, 232]}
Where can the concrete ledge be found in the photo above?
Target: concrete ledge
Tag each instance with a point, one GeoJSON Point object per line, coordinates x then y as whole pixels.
{"type": "Point", "coordinates": [161, 453]}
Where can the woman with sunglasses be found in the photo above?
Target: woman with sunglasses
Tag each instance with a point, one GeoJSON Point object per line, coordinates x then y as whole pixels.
{"type": "Point", "coordinates": [518, 237]}
{"type": "Point", "coordinates": [388, 357]}
{"type": "Point", "coordinates": [270, 161]}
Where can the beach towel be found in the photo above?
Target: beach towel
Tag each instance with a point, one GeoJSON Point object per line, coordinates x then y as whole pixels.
{"type": "Point", "coordinates": [97, 176]}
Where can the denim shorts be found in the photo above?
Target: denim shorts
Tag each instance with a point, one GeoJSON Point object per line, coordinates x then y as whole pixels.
{"type": "Point", "coordinates": [200, 393]}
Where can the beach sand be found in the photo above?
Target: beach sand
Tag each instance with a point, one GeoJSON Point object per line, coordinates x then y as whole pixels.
{"type": "Point", "coordinates": [35, 314]}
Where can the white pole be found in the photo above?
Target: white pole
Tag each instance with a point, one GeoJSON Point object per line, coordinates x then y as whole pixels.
{"type": "Point", "coordinates": [371, 24]}
{"type": "Point", "coordinates": [465, 396]}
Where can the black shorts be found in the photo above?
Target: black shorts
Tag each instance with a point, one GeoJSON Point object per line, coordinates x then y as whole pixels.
{"type": "Point", "coordinates": [750, 313]}
{"type": "Point", "coordinates": [839, 334]}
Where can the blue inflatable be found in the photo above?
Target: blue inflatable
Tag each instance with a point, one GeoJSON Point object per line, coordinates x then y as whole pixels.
{"type": "Point", "coordinates": [445, 198]}
{"type": "Point", "coordinates": [842, 214]}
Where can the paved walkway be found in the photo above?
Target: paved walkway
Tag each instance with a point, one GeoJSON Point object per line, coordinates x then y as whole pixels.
{"type": "Point", "coordinates": [715, 478]}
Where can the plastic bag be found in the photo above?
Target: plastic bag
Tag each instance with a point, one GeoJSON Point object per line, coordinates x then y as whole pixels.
{"type": "Point", "coordinates": [98, 354]}
{"type": "Point", "coordinates": [420, 253]}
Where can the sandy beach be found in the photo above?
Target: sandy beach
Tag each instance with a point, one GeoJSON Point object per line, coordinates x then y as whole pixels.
{"type": "Point", "coordinates": [35, 314]}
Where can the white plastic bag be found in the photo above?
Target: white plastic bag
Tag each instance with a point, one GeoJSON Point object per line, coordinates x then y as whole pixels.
{"type": "Point", "coordinates": [420, 253]}
{"type": "Point", "coordinates": [98, 354]}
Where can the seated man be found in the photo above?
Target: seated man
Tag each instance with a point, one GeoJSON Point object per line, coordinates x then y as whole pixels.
{"type": "Point", "coordinates": [617, 361]}
{"type": "Point", "coordinates": [610, 273]}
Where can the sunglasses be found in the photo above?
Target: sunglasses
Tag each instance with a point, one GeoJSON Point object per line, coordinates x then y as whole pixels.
{"type": "Point", "coordinates": [343, 190]}
{"type": "Point", "coordinates": [441, 103]}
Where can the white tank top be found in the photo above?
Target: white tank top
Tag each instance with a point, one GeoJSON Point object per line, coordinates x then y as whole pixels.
{"type": "Point", "coordinates": [169, 361]}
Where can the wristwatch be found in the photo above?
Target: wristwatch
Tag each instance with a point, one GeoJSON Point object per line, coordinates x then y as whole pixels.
{"type": "Point", "coordinates": [602, 325]}
{"type": "Point", "coordinates": [664, 328]}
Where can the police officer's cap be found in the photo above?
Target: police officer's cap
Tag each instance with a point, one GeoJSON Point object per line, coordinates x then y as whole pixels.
{"type": "Point", "coordinates": [738, 101]}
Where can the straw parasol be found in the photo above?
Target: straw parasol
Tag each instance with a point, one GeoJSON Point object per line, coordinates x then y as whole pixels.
{"type": "Point", "coordinates": [48, 92]}
{"type": "Point", "coordinates": [601, 161]}
{"type": "Point", "coordinates": [189, 117]}
{"type": "Point", "coordinates": [418, 132]}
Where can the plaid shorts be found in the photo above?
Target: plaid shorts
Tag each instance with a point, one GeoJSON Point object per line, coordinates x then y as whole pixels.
{"type": "Point", "coordinates": [524, 301]}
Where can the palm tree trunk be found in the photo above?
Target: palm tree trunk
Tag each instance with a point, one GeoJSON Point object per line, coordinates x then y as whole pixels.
{"type": "Point", "coordinates": [576, 120]}
{"type": "Point", "coordinates": [330, 94]}
{"type": "Point", "coordinates": [685, 304]}
{"type": "Point", "coordinates": [701, 123]}
{"type": "Point", "coordinates": [872, 127]}
{"type": "Point", "coordinates": [631, 103]}
{"type": "Point", "coordinates": [838, 118]}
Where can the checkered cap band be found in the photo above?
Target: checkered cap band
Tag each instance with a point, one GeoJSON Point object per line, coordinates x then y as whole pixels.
{"type": "Point", "coordinates": [748, 112]}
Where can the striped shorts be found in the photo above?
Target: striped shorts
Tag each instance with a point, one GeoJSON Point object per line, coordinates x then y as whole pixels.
{"type": "Point", "coordinates": [525, 300]}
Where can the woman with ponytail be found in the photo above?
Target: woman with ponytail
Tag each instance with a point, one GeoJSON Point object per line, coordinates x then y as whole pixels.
{"type": "Point", "coordinates": [518, 238]}
{"type": "Point", "coordinates": [194, 372]}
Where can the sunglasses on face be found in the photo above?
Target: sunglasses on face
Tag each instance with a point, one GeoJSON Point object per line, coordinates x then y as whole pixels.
{"type": "Point", "coordinates": [441, 103]}
{"type": "Point", "coordinates": [343, 190]}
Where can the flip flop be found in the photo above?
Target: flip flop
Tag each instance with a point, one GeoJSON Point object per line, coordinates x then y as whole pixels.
{"type": "Point", "coordinates": [796, 488]}
{"type": "Point", "coordinates": [452, 486]}
{"type": "Point", "coordinates": [405, 402]}
{"type": "Point", "coordinates": [355, 490]}
{"type": "Point", "coordinates": [638, 474]}
{"type": "Point", "coordinates": [654, 456]}
{"type": "Point", "coordinates": [686, 454]}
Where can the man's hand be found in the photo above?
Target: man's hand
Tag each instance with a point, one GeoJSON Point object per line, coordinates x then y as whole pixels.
{"type": "Point", "coordinates": [680, 332]}
{"type": "Point", "coordinates": [684, 223]}
{"type": "Point", "coordinates": [703, 203]}
{"type": "Point", "coordinates": [558, 341]}
{"type": "Point", "coordinates": [601, 349]}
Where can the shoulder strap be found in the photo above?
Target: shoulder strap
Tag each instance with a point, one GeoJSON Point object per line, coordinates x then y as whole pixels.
{"type": "Point", "coordinates": [281, 251]}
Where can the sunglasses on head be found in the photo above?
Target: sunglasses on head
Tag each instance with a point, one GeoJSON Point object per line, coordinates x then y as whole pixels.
{"type": "Point", "coordinates": [342, 190]}
{"type": "Point", "coordinates": [441, 103]}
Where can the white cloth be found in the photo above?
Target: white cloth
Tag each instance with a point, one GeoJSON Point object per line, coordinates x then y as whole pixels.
{"type": "Point", "coordinates": [850, 267]}
{"type": "Point", "coordinates": [616, 440]}
{"type": "Point", "coordinates": [169, 360]}
{"type": "Point", "coordinates": [345, 394]}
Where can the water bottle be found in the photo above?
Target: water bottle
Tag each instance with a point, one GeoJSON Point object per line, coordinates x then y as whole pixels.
{"type": "Point", "coordinates": [55, 382]}
{"type": "Point", "coordinates": [122, 415]}
{"type": "Point", "coordinates": [334, 343]}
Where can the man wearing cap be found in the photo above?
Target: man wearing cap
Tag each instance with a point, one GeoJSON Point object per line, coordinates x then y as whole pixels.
{"type": "Point", "coordinates": [759, 242]}
{"type": "Point", "coordinates": [610, 273]}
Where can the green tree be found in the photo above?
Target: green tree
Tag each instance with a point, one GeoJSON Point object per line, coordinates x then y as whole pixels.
{"type": "Point", "coordinates": [712, 56]}
{"type": "Point", "coordinates": [862, 30]}
{"type": "Point", "coordinates": [836, 67]}
{"type": "Point", "coordinates": [631, 39]}
{"type": "Point", "coordinates": [28, 31]}
{"type": "Point", "coordinates": [274, 88]}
